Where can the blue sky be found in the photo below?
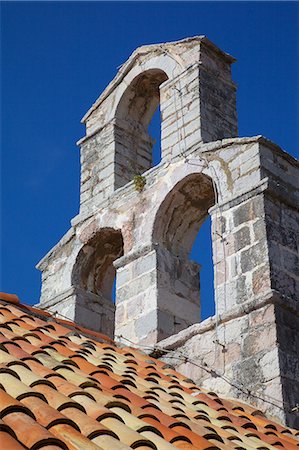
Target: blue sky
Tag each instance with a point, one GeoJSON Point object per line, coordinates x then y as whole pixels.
{"type": "Point", "coordinates": [58, 57]}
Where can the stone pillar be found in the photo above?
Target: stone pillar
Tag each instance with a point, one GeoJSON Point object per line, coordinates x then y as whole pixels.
{"type": "Point", "coordinates": [97, 166]}
{"type": "Point", "coordinates": [111, 158]}
{"type": "Point", "coordinates": [92, 311]}
{"type": "Point", "coordinates": [281, 205]}
{"type": "Point", "coordinates": [136, 316]}
{"type": "Point", "coordinates": [199, 105]}
{"type": "Point", "coordinates": [157, 295]}
{"type": "Point", "coordinates": [178, 292]}
{"type": "Point", "coordinates": [180, 113]}
{"type": "Point", "coordinates": [240, 254]}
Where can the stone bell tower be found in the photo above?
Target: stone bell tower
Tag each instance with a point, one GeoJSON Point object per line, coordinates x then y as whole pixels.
{"type": "Point", "coordinates": [117, 226]}
{"type": "Point", "coordinates": [139, 222]}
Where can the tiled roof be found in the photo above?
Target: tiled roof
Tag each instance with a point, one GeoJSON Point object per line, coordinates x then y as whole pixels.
{"type": "Point", "coordinates": [65, 387]}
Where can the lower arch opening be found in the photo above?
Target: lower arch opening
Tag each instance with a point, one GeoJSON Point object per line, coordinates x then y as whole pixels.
{"type": "Point", "coordinates": [182, 234]}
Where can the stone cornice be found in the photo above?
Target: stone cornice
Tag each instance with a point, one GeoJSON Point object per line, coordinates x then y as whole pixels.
{"type": "Point", "coordinates": [270, 298]}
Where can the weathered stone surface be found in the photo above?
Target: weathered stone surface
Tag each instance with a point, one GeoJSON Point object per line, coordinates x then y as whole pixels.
{"type": "Point", "coordinates": [242, 238]}
{"type": "Point", "coordinates": [139, 223]}
{"type": "Point", "coordinates": [250, 210]}
{"type": "Point", "coordinates": [245, 349]}
{"type": "Point", "coordinates": [261, 282]}
{"type": "Point", "coordinates": [254, 256]}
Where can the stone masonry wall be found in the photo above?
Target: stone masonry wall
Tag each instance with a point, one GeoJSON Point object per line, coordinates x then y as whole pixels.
{"type": "Point", "coordinates": [157, 295]}
{"type": "Point", "coordinates": [240, 360]}
{"type": "Point", "coordinates": [168, 191]}
{"type": "Point", "coordinates": [240, 253]}
{"type": "Point", "coordinates": [97, 165]}
{"type": "Point", "coordinates": [197, 100]}
{"type": "Point", "coordinates": [254, 341]}
{"type": "Point", "coordinates": [249, 186]}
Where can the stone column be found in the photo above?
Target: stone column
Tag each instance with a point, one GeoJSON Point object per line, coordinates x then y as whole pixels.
{"type": "Point", "coordinates": [240, 254]}
{"type": "Point", "coordinates": [97, 166]}
{"type": "Point", "coordinates": [157, 295]}
{"type": "Point", "coordinates": [180, 113]}
{"type": "Point", "coordinates": [111, 158]}
{"type": "Point", "coordinates": [136, 315]}
{"type": "Point", "coordinates": [198, 106]}
{"type": "Point", "coordinates": [178, 292]}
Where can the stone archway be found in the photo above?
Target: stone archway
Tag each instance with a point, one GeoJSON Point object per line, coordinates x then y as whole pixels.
{"type": "Point", "coordinates": [133, 144]}
{"type": "Point", "coordinates": [182, 212]}
{"type": "Point", "coordinates": [177, 223]}
{"type": "Point", "coordinates": [93, 275]}
{"type": "Point", "coordinates": [158, 284]}
{"type": "Point", "coordinates": [94, 271]}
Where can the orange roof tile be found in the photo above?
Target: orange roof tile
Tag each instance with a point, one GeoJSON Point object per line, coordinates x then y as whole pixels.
{"type": "Point", "coordinates": [76, 389]}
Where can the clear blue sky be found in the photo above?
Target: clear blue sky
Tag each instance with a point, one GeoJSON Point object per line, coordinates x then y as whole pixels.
{"type": "Point", "coordinates": [58, 57]}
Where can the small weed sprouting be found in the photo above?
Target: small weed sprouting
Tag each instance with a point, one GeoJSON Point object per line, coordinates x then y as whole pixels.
{"type": "Point", "coordinates": [139, 182]}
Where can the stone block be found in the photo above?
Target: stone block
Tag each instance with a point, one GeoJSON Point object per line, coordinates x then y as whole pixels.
{"type": "Point", "coordinates": [121, 313]}
{"type": "Point", "coordinates": [145, 325]}
{"type": "Point", "coordinates": [275, 252]}
{"type": "Point", "coordinates": [124, 275]}
{"type": "Point", "coordinates": [269, 364]}
{"type": "Point", "coordinates": [221, 272]}
{"type": "Point", "coordinates": [281, 235]}
{"type": "Point", "coordinates": [250, 210]}
{"type": "Point", "coordinates": [234, 266]}
{"type": "Point", "coordinates": [250, 165]}
{"type": "Point", "coordinates": [259, 229]}
{"type": "Point", "coordinates": [242, 289]}
{"type": "Point", "coordinates": [264, 316]}
{"type": "Point", "coordinates": [260, 339]}
{"type": "Point", "coordinates": [250, 179]}
{"type": "Point", "coordinates": [290, 262]}
{"type": "Point", "coordinates": [283, 283]}
{"type": "Point", "coordinates": [141, 304]}
{"type": "Point", "coordinates": [241, 238]}
{"type": "Point", "coordinates": [179, 306]}
{"type": "Point", "coordinates": [261, 280]}
{"type": "Point", "coordinates": [145, 264]}
{"type": "Point", "coordinates": [273, 212]}
{"type": "Point", "coordinates": [254, 256]}
{"type": "Point", "coordinates": [249, 372]}
{"type": "Point", "coordinates": [234, 329]}
{"type": "Point", "coordinates": [136, 286]}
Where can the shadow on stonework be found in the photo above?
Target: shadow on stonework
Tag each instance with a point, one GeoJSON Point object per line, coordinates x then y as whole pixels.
{"type": "Point", "coordinates": [94, 276]}
{"type": "Point", "coordinates": [178, 221]}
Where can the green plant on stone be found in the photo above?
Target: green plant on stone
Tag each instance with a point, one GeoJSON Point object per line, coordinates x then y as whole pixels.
{"type": "Point", "coordinates": [139, 182]}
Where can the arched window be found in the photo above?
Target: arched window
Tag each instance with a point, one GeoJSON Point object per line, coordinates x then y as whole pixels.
{"type": "Point", "coordinates": [94, 274]}
{"type": "Point", "coordinates": [133, 142]}
{"type": "Point", "coordinates": [178, 222]}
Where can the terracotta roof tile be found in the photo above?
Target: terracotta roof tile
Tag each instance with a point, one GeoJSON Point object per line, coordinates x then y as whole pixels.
{"type": "Point", "coordinates": [75, 389]}
{"type": "Point", "coordinates": [8, 441]}
{"type": "Point", "coordinates": [11, 298]}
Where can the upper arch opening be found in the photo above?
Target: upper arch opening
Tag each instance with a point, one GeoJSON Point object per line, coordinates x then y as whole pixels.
{"type": "Point", "coordinates": [141, 98]}
{"type": "Point", "coordinates": [133, 144]}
